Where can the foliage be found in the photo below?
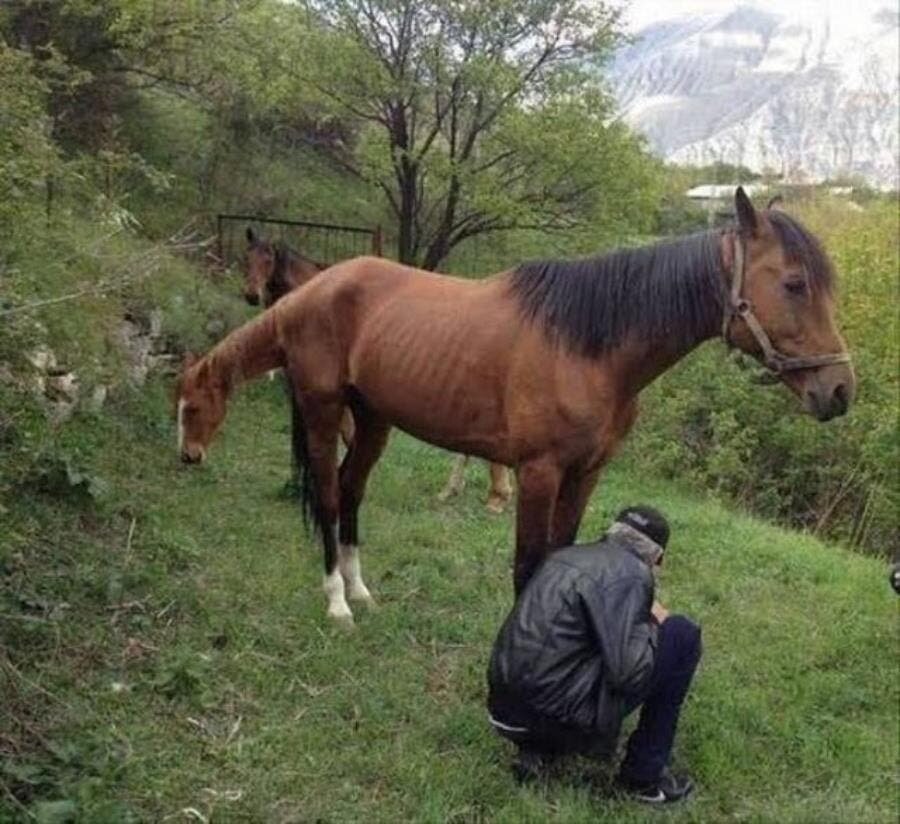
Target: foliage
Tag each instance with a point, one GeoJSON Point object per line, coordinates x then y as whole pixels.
{"type": "Point", "coordinates": [752, 443]}
{"type": "Point", "coordinates": [28, 155]}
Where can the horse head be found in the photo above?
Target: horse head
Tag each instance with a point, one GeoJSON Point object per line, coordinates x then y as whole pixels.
{"type": "Point", "coordinates": [781, 307]}
{"type": "Point", "coordinates": [200, 404]}
{"type": "Point", "coordinates": [259, 265]}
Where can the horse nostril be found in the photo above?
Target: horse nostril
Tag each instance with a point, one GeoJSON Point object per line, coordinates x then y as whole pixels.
{"type": "Point", "coordinates": [840, 399]}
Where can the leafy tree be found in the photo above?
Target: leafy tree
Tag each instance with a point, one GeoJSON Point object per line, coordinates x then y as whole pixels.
{"type": "Point", "coordinates": [475, 116]}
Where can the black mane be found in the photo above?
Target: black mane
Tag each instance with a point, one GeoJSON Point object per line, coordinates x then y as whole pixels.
{"type": "Point", "coordinates": [670, 291]}
{"type": "Point", "coordinates": [803, 248]}
{"type": "Point", "coordinates": [278, 285]}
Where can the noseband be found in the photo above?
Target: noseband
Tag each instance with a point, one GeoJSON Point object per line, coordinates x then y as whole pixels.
{"type": "Point", "coordinates": [773, 360]}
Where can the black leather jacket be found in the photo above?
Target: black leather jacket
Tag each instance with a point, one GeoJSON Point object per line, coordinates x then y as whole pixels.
{"type": "Point", "coordinates": [579, 641]}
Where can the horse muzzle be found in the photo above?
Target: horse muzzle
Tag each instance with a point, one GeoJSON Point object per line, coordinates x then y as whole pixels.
{"type": "Point", "coordinates": [192, 456]}
{"type": "Point", "coordinates": [829, 395]}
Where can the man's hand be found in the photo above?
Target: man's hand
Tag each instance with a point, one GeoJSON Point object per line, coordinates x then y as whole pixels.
{"type": "Point", "coordinates": [659, 612]}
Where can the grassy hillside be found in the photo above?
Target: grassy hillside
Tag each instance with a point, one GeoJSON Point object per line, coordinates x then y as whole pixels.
{"type": "Point", "coordinates": [164, 650]}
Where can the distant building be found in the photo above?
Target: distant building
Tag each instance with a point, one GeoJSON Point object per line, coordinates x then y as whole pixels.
{"type": "Point", "coordinates": [718, 199]}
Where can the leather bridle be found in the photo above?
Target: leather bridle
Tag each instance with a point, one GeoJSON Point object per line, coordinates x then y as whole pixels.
{"type": "Point", "coordinates": [740, 307]}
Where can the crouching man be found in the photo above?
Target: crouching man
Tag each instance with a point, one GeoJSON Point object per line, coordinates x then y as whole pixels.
{"type": "Point", "coordinates": [585, 645]}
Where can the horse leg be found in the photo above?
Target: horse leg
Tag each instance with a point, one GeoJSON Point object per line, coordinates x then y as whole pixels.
{"type": "Point", "coordinates": [538, 483]}
{"type": "Point", "coordinates": [368, 443]}
{"type": "Point", "coordinates": [574, 494]}
{"type": "Point", "coordinates": [501, 488]}
{"type": "Point", "coordinates": [316, 452]}
{"type": "Point", "coordinates": [457, 479]}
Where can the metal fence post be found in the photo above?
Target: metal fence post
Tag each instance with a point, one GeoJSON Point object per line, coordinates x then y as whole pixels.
{"type": "Point", "coordinates": [378, 242]}
{"type": "Point", "coordinates": [220, 249]}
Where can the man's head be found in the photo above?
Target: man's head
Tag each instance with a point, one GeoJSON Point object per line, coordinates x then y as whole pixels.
{"type": "Point", "coordinates": [645, 529]}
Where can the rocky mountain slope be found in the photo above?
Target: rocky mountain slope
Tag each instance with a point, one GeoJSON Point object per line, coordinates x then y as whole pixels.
{"type": "Point", "coordinates": [804, 94]}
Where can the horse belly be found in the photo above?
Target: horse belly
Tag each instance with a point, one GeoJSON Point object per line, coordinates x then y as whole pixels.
{"type": "Point", "coordinates": [441, 380]}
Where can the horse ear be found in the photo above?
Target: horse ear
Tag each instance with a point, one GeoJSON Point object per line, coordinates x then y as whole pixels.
{"type": "Point", "coordinates": [251, 235]}
{"type": "Point", "coordinates": [746, 214]}
{"type": "Point", "coordinates": [776, 200]}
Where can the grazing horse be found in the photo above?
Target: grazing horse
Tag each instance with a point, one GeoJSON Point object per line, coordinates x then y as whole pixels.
{"type": "Point", "coordinates": [273, 270]}
{"type": "Point", "coordinates": [538, 368]}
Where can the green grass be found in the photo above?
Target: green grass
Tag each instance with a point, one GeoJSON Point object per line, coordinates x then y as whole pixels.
{"type": "Point", "coordinates": [191, 667]}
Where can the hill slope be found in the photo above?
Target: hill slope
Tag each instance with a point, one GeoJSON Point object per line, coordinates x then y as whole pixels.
{"type": "Point", "coordinates": [166, 652]}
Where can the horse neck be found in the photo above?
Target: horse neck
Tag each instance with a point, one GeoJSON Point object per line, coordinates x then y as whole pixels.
{"type": "Point", "coordinates": [248, 351]}
{"type": "Point", "coordinates": [640, 362]}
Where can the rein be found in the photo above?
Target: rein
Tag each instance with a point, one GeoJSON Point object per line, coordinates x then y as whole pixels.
{"type": "Point", "coordinates": [773, 360]}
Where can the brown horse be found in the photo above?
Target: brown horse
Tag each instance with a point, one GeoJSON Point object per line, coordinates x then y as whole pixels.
{"type": "Point", "coordinates": [274, 269]}
{"type": "Point", "coordinates": [271, 271]}
{"type": "Point", "coordinates": [538, 368]}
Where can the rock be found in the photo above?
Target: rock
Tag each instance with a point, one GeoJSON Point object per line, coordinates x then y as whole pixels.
{"type": "Point", "coordinates": [797, 88]}
{"type": "Point", "coordinates": [42, 358]}
{"type": "Point", "coordinates": [98, 398]}
{"type": "Point", "coordinates": [60, 396]}
{"type": "Point", "coordinates": [137, 346]}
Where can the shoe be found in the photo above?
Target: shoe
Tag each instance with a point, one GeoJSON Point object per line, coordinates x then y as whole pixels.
{"type": "Point", "coordinates": [667, 789]}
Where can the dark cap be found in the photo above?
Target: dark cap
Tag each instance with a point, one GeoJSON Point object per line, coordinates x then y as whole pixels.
{"type": "Point", "coordinates": [647, 520]}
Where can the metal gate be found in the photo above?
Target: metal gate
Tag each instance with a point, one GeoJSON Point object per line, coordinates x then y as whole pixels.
{"type": "Point", "coordinates": [325, 243]}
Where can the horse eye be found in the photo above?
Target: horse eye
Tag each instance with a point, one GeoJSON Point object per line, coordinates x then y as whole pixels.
{"type": "Point", "coordinates": [795, 286]}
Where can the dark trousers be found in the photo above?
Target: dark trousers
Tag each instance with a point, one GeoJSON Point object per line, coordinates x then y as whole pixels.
{"type": "Point", "coordinates": [677, 655]}
{"type": "Point", "coordinates": [650, 745]}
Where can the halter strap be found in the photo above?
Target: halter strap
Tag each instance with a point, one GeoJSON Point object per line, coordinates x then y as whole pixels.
{"type": "Point", "coordinates": [773, 360]}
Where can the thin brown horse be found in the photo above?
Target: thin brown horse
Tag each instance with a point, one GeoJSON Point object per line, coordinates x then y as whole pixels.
{"type": "Point", "coordinates": [271, 271]}
{"type": "Point", "coordinates": [538, 368]}
{"type": "Point", "coordinates": [274, 269]}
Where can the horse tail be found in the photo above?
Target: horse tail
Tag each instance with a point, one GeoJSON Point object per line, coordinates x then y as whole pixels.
{"type": "Point", "coordinates": [310, 500]}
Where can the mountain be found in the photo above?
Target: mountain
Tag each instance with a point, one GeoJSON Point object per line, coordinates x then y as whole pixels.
{"type": "Point", "coordinates": [807, 95]}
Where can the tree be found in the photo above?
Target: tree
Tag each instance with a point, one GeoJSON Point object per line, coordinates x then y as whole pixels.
{"type": "Point", "coordinates": [474, 116]}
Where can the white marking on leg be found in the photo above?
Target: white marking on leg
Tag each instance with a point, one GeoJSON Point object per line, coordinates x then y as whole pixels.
{"type": "Point", "coordinates": [333, 585]}
{"type": "Point", "coordinates": [457, 479]}
{"type": "Point", "coordinates": [348, 560]}
{"type": "Point", "coordinates": [181, 404]}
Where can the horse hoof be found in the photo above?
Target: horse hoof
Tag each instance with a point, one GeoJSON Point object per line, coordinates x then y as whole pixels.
{"type": "Point", "coordinates": [495, 506]}
{"type": "Point", "coordinates": [343, 622]}
{"type": "Point", "coordinates": [365, 598]}
{"type": "Point", "coordinates": [370, 604]}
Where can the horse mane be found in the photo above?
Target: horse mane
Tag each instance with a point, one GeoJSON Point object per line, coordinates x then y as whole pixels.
{"type": "Point", "coordinates": [803, 248]}
{"type": "Point", "coordinates": [279, 284]}
{"type": "Point", "coordinates": [672, 290]}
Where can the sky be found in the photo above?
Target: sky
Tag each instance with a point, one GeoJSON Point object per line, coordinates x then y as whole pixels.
{"type": "Point", "coordinates": [639, 13]}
